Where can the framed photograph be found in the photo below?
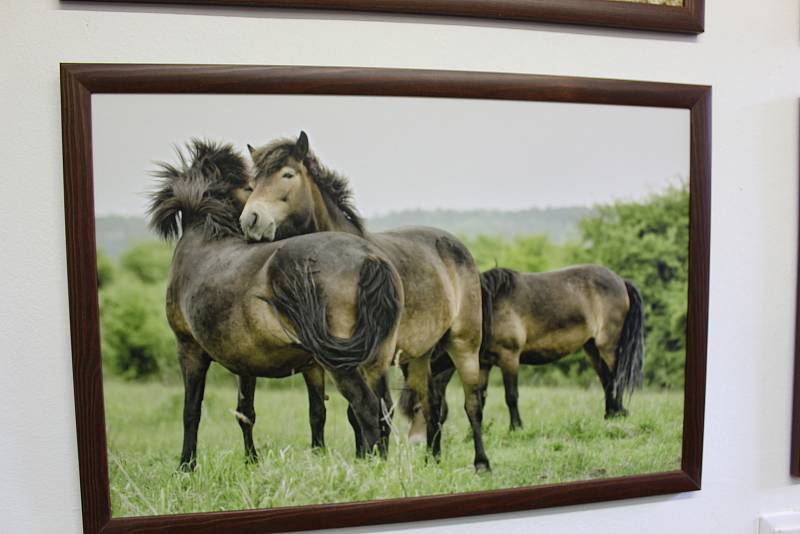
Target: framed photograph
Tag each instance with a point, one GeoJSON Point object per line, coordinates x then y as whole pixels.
{"type": "Point", "coordinates": [681, 16]}
{"type": "Point", "coordinates": [289, 288]}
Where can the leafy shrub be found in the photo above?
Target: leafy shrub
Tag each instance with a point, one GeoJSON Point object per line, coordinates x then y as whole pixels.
{"type": "Point", "coordinates": [105, 269]}
{"type": "Point", "coordinates": [136, 339]}
{"type": "Point", "coordinates": [148, 261]}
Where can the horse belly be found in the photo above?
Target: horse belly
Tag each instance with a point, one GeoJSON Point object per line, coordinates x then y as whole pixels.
{"type": "Point", "coordinates": [252, 359]}
{"type": "Point", "coordinates": [550, 346]}
{"type": "Point", "coordinates": [251, 341]}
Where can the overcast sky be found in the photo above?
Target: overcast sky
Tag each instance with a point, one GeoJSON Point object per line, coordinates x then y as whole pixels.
{"type": "Point", "coordinates": [402, 153]}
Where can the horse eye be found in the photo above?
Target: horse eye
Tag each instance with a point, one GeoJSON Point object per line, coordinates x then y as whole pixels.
{"type": "Point", "coordinates": [288, 175]}
{"type": "Point", "coordinates": [248, 189]}
{"type": "Point", "coordinates": [285, 198]}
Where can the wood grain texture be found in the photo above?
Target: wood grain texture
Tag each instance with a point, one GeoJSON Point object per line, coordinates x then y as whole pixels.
{"type": "Point", "coordinates": [688, 18]}
{"type": "Point", "coordinates": [80, 81]}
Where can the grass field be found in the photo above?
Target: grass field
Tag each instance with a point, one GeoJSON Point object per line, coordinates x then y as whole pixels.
{"type": "Point", "coordinates": [565, 438]}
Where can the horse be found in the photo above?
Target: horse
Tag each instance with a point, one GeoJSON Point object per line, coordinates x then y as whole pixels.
{"type": "Point", "coordinates": [538, 318]}
{"type": "Point", "coordinates": [327, 301]}
{"type": "Point", "coordinates": [294, 194]}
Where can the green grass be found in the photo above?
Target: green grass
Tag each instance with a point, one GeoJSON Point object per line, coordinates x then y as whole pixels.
{"type": "Point", "coordinates": [565, 438]}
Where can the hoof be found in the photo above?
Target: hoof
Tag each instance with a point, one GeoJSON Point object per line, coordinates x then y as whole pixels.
{"type": "Point", "coordinates": [251, 459]}
{"type": "Point", "coordinates": [617, 413]}
{"type": "Point", "coordinates": [187, 467]}
{"type": "Point", "coordinates": [482, 467]}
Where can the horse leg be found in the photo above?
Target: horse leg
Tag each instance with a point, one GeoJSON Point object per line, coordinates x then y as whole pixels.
{"type": "Point", "coordinates": [315, 384]}
{"type": "Point", "coordinates": [483, 381]}
{"type": "Point", "coordinates": [465, 358]}
{"type": "Point", "coordinates": [246, 415]}
{"type": "Point", "coordinates": [194, 364]}
{"type": "Point", "coordinates": [359, 437]}
{"type": "Point", "coordinates": [364, 410]}
{"type": "Point", "coordinates": [420, 381]}
{"type": "Point", "coordinates": [509, 366]}
{"type": "Point", "coordinates": [381, 388]}
{"type": "Point", "coordinates": [613, 404]}
{"type": "Point", "coordinates": [440, 382]}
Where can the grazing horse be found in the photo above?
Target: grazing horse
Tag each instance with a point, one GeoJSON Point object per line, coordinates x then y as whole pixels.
{"type": "Point", "coordinates": [294, 194]}
{"type": "Point", "coordinates": [329, 301]}
{"type": "Point", "coordinates": [538, 318]}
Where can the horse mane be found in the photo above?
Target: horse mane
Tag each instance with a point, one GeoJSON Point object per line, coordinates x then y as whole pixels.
{"type": "Point", "coordinates": [198, 191]}
{"type": "Point", "coordinates": [499, 282]}
{"type": "Point", "coordinates": [335, 188]}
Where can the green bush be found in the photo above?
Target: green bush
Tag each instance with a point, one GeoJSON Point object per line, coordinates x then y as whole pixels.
{"type": "Point", "coordinates": [136, 339]}
{"type": "Point", "coordinates": [528, 253]}
{"type": "Point", "coordinates": [148, 261]}
{"type": "Point", "coordinates": [105, 269]}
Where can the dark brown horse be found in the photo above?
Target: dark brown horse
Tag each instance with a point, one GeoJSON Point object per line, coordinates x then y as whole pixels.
{"type": "Point", "coordinates": [538, 318]}
{"type": "Point", "coordinates": [293, 194]}
{"type": "Point", "coordinates": [323, 301]}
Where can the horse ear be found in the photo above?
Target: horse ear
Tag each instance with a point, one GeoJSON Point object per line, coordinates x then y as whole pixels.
{"type": "Point", "coordinates": [300, 147]}
{"type": "Point", "coordinates": [251, 149]}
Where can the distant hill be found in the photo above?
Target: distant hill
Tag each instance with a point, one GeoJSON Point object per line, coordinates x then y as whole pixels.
{"type": "Point", "coordinates": [115, 233]}
{"type": "Point", "coordinates": [558, 224]}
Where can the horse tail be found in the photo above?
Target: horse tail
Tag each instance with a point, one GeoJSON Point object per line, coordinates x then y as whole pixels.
{"type": "Point", "coordinates": [628, 368]}
{"type": "Point", "coordinates": [298, 297]}
{"type": "Point", "coordinates": [487, 318]}
{"type": "Point", "coordinates": [495, 284]}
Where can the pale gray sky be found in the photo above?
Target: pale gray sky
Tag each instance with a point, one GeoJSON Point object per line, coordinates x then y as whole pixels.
{"type": "Point", "coordinates": [404, 152]}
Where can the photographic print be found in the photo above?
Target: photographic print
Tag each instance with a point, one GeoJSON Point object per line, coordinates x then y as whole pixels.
{"type": "Point", "coordinates": [326, 299]}
{"type": "Point", "coordinates": [680, 16]}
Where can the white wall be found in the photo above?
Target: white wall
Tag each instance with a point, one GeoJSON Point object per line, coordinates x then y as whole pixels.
{"type": "Point", "coordinates": [749, 54]}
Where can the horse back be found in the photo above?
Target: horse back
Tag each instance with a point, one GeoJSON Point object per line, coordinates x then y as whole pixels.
{"type": "Point", "coordinates": [561, 310]}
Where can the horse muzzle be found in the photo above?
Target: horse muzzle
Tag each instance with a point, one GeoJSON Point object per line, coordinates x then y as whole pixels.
{"type": "Point", "coordinates": [257, 224]}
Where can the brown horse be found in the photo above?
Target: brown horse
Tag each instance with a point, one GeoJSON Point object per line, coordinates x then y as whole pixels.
{"type": "Point", "coordinates": [329, 301]}
{"type": "Point", "coordinates": [294, 194]}
{"type": "Point", "coordinates": [538, 318]}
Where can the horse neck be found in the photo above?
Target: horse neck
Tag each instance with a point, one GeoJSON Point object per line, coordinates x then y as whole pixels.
{"type": "Point", "coordinates": [328, 217]}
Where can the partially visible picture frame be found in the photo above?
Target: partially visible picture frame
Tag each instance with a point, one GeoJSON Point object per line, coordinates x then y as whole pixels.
{"type": "Point", "coordinates": [794, 454]}
{"type": "Point", "coordinates": [687, 18]}
{"type": "Point", "coordinates": [80, 81]}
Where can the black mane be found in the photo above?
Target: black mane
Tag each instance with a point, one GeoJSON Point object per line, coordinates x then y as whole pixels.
{"type": "Point", "coordinates": [499, 282]}
{"type": "Point", "coordinates": [333, 186]}
{"type": "Point", "coordinates": [198, 191]}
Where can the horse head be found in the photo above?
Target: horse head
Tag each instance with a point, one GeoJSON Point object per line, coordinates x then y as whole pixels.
{"type": "Point", "coordinates": [293, 194]}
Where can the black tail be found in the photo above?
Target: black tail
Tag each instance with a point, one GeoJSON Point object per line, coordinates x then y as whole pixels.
{"type": "Point", "coordinates": [298, 298]}
{"type": "Point", "coordinates": [628, 369]}
{"type": "Point", "coordinates": [495, 283]}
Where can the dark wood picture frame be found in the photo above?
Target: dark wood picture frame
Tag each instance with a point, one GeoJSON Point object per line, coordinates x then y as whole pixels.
{"type": "Point", "coordinates": [794, 454]}
{"type": "Point", "coordinates": [689, 18]}
{"type": "Point", "coordinates": [80, 81]}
